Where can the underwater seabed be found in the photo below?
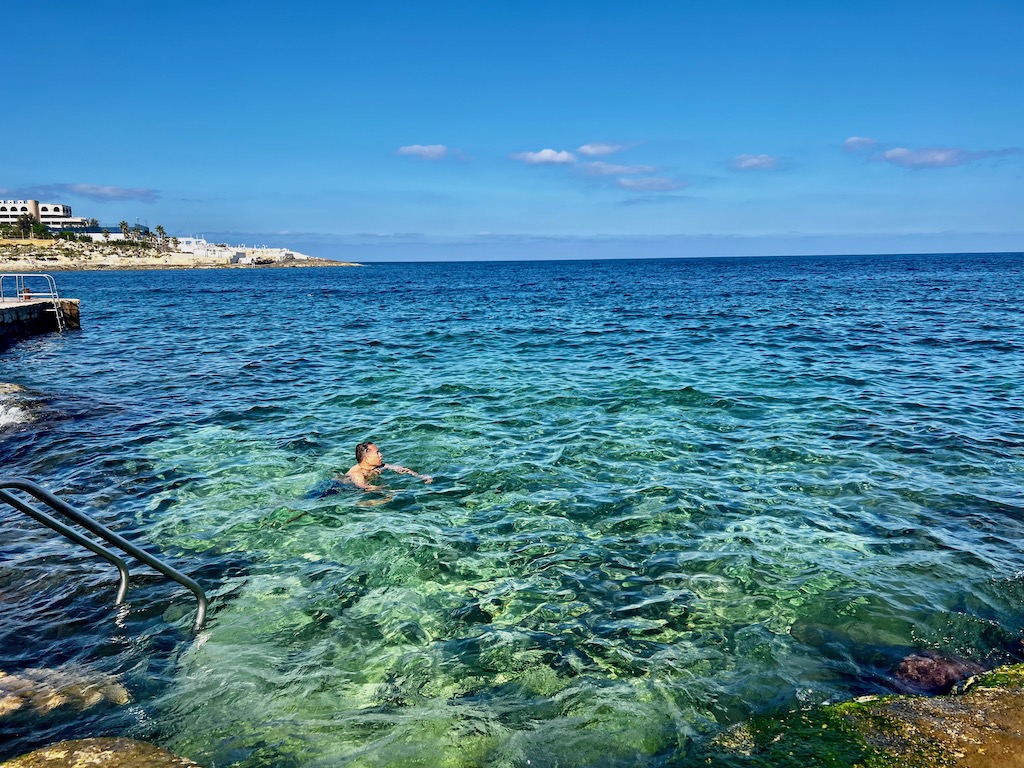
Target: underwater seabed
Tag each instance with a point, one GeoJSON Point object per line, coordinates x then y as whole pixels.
{"type": "Point", "coordinates": [444, 625]}
{"type": "Point", "coordinates": [440, 625]}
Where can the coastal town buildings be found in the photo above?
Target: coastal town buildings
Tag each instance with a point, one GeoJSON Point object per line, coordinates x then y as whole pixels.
{"type": "Point", "coordinates": [237, 254]}
{"type": "Point", "coordinates": [57, 217]}
{"type": "Point", "coordinates": [54, 216]}
{"type": "Point", "coordinates": [109, 232]}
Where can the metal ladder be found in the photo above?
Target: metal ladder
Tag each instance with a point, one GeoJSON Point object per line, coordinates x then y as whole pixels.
{"type": "Point", "coordinates": [25, 293]}
{"type": "Point", "coordinates": [38, 494]}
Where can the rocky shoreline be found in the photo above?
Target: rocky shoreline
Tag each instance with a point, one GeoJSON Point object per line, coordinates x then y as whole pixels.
{"type": "Point", "coordinates": [980, 724]}
{"type": "Point", "coordinates": [64, 256]}
{"type": "Point", "coordinates": [109, 752]}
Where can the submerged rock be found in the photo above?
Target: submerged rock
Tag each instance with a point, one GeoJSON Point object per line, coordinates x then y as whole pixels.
{"type": "Point", "coordinates": [43, 690]}
{"type": "Point", "coordinates": [979, 726]}
{"type": "Point", "coordinates": [109, 753]}
{"type": "Point", "coordinates": [933, 672]}
{"type": "Point", "coordinates": [17, 405]}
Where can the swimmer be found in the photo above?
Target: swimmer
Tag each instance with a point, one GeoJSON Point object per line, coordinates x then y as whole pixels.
{"type": "Point", "coordinates": [369, 465]}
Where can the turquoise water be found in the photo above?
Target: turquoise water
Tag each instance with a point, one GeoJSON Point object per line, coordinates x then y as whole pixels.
{"type": "Point", "coordinates": [667, 495]}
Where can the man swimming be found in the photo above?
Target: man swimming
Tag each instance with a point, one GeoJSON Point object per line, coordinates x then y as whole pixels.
{"type": "Point", "coordinates": [369, 465]}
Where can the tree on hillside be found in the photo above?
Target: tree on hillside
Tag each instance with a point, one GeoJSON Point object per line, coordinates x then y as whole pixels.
{"type": "Point", "coordinates": [106, 234]}
{"type": "Point", "coordinates": [92, 222]}
{"type": "Point", "coordinates": [161, 237]}
{"type": "Point", "coordinates": [24, 224]}
{"type": "Point", "coordinates": [124, 228]}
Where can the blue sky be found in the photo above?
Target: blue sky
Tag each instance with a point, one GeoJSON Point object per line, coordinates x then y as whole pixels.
{"type": "Point", "coordinates": [414, 130]}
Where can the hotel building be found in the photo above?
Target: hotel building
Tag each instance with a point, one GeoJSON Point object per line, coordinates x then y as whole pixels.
{"type": "Point", "coordinates": [54, 216]}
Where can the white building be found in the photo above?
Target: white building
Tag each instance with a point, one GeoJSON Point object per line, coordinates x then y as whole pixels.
{"type": "Point", "coordinates": [237, 254]}
{"type": "Point", "coordinates": [55, 216]}
{"type": "Point", "coordinates": [203, 250]}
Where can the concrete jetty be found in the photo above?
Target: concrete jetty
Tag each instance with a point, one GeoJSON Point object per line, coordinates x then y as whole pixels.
{"type": "Point", "coordinates": [21, 317]}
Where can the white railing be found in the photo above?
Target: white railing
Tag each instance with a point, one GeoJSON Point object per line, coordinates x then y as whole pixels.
{"type": "Point", "coordinates": [42, 287]}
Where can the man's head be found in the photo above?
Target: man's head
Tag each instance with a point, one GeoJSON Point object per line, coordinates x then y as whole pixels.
{"type": "Point", "coordinates": [370, 453]}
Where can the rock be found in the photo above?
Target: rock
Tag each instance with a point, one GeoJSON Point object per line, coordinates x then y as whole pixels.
{"type": "Point", "coordinates": [109, 753]}
{"type": "Point", "coordinates": [933, 672]}
{"type": "Point", "coordinates": [980, 729]}
{"type": "Point", "coordinates": [43, 690]}
{"type": "Point", "coordinates": [17, 407]}
{"type": "Point", "coordinates": [979, 726]}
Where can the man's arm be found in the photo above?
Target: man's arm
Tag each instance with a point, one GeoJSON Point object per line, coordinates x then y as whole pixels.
{"type": "Point", "coordinates": [406, 471]}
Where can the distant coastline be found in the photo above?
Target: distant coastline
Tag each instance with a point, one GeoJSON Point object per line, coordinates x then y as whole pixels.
{"type": "Point", "coordinates": [63, 256]}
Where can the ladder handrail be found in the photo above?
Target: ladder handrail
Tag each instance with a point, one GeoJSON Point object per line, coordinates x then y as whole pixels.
{"type": "Point", "coordinates": [51, 522]}
{"type": "Point", "coordinates": [20, 291]}
{"type": "Point", "coordinates": [98, 529]}
{"type": "Point", "coordinates": [19, 282]}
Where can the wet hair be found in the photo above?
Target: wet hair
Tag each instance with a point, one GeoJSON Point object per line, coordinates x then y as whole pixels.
{"type": "Point", "coordinates": [361, 450]}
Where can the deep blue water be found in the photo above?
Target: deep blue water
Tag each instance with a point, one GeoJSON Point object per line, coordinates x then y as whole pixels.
{"type": "Point", "coordinates": [668, 495]}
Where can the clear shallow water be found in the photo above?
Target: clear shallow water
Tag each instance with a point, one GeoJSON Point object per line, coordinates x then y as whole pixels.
{"type": "Point", "coordinates": [668, 494]}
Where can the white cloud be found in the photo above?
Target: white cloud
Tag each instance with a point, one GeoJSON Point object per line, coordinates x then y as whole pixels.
{"type": "Point", "coordinates": [600, 149]}
{"type": "Point", "coordinates": [926, 158]}
{"type": "Point", "coordinates": [92, 192]}
{"type": "Point", "coordinates": [426, 151]}
{"type": "Point", "coordinates": [600, 168]}
{"type": "Point", "coordinates": [545, 157]}
{"type": "Point", "coordinates": [859, 143]}
{"type": "Point", "coordinates": [929, 157]}
{"type": "Point", "coordinates": [755, 163]}
{"type": "Point", "coordinates": [650, 184]}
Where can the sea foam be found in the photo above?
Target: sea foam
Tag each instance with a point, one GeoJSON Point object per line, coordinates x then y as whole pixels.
{"type": "Point", "coordinates": [13, 410]}
{"type": "Point", "coordinates": [12, 415]}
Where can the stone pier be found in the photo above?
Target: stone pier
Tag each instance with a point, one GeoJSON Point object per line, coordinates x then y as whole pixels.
{"type": "Point", "coordinates": [20, 318]}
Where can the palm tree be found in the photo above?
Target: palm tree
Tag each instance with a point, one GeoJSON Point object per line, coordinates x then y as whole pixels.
{"type": "Point", "coordinates": [124, 229]}
{"type": "Point", "coordinates": [106, 234]}
{"type": "Point", "coordinates": [24, 224]}
{"type": "Point", "coordinates": [161, 238]}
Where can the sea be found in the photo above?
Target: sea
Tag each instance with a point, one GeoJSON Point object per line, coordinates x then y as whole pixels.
{"type": "Point", "coordinates": [668, 496]}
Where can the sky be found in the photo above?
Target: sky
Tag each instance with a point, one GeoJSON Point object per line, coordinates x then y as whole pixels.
{"type": "Point", "coordinates": [492, 129]}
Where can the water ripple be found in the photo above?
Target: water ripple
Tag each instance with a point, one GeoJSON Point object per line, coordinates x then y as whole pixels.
{"type": "Point", "coordinates": [667, 495]}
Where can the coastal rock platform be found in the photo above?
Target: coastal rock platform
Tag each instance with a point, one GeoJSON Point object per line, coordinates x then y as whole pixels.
{"type": "Point", "coordinates": [26, 318]}
{"type": "Point", "coordinates": [108, 752]}
{"type": "Point", "coordinates": [59, 255]}
{"type": "Point", "coordinates": [980, 725]}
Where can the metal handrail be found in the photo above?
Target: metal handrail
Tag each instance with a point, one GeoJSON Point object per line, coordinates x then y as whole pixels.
{"type": "Point", "coordinates": [51, 522]}
{"type": "Point", "coordinates": [59, 505]}
{"type": "Point", "coordinates": [19, 285]}
{"type": "Point", "coordinates": [22, 291]}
